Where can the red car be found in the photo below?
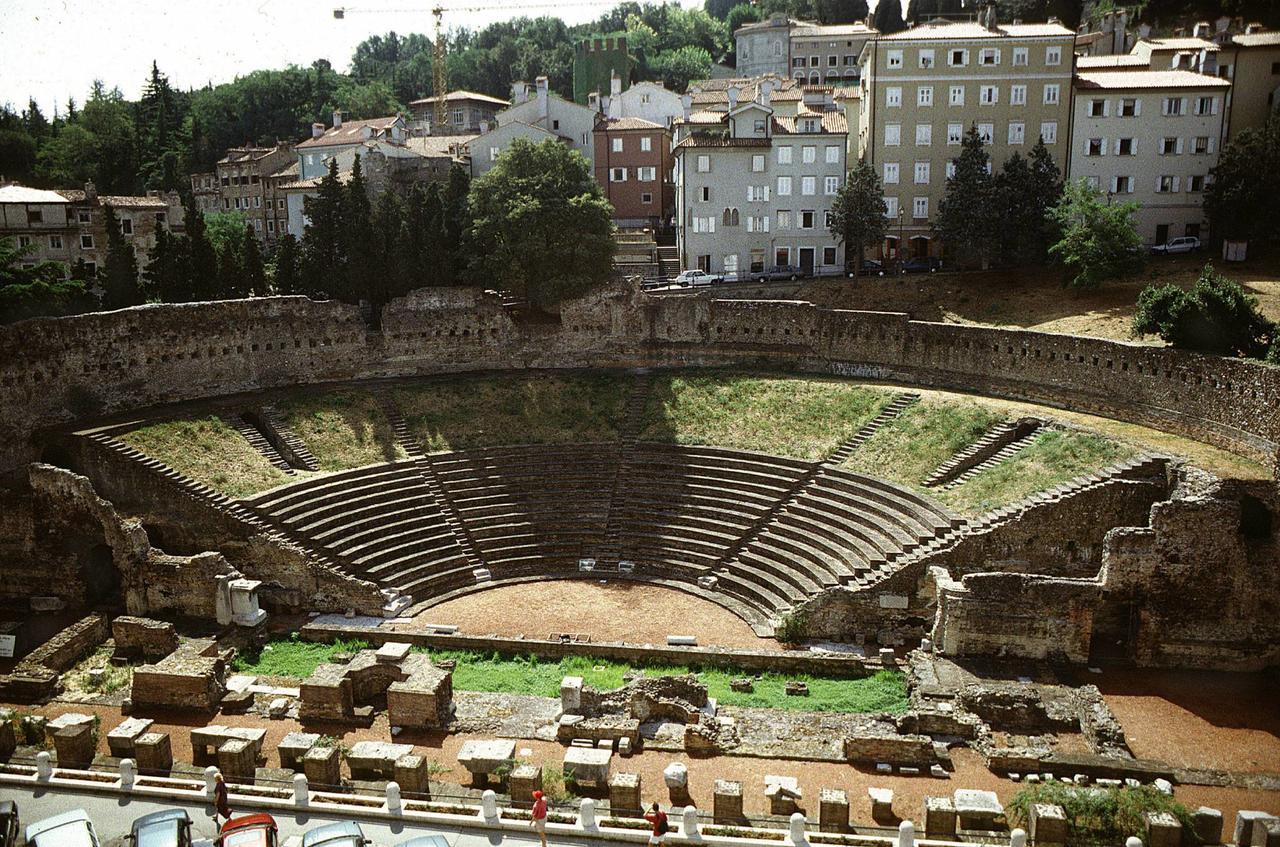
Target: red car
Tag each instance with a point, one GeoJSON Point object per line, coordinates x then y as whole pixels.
{"type": "Point", "coordinates": [249, 831]}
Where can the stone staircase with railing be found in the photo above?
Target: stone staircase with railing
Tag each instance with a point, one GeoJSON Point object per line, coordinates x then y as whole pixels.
{"type": "Point", "coordinates": [896, 407]}
{"type": "Point", "coordinates": [1003, 453]}
{"type": "Point", "coordinates": [996, 438]}
{"type": "Point", "coordinates": [609, 556]}
{"type": "Point", "coordinates": [288, 444]}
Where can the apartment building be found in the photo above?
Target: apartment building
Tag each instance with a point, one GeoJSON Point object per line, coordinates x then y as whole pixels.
{"type": "Point", "coordinates": [1251, 61]}
{"type": "Point", "coordinates": [650, 101]}
{"type": "Point", "coordinates": [754, 189]}
{"type": "Point", "coordinates": [245, 179]}
{"type": "Point", "coordinates": [633, 165]}
{"type": "Point", "coordinates": [921, 90]}
{"type": "Point", "coordinates": [1150, 136]}
{"type": "Point", "coordinates": [562, 118]}
{"type": "Point", "coordinates": [764, 47]}
{"type": "Point", "coordinates": [468, 113]}
{"type": "Point", "coordinates": [204, 187]}
{"type": "Point", "coordinates": [314, 153]}
{"type": "Point", "coordinates": [828, 55]}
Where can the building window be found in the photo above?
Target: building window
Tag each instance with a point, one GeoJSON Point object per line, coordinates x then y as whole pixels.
{"type": "Point", "coordinates": [35, 216]}
{"type": "Point", "coordinates": [830, 185]}
{"type": "Point", "coordinates": [759, 127]}
{"type": "Point", "coordinates": [91, 269]}
{"type": "Point", "coordinates": [706, 194]}
{"type": "Point", "coordinates": [617, 175]}
{"type": "Point", "coordinates": [226, 181]}
{"type": "Point", "coordinates": [126, 226]}
{"type": "Point", "coordinates": [926, 58]}
{"type": "Point", "coordinates": [784, 220]}
{"type": "Point", "coordinates": [956, 97]}
{"type": "Point", "coordinates": [646, 198]}
{"type": "Point", "coordinates": [1053, 56]}
{"type": "Point", "coordinates": [55, 242]}
{"type": "Point", "coordinates": [989, 95]}
{"type": "Point", "coordinates": [891, 207]}
{"type": "Point", "coordinates": [280, 203]}
{"type": "Point", "coordinates": [1049, 132]}
{"type": "Point", "coordinates": [1051, 93]}
{"type": "Point", "coordinates": [86, 242]}
{"type": "Point", "coordinates": [833, 61]}
{"type": "Point", "coordinates": [648, 174]}
{"type": "Point", "coordinates": [957, 57]}
{"type": "Point", "coordinates": [494, 152]}
{"type": "Point", "coordinates": [806, 219]}
{"type": "Point", "coordinates": [1122, 185]}
{"type": "Point", "coordinates": [833, 154]}
{"type": "Point", "coordinates": [955, 133]}
{"type": "Point", "coordinates": [646, 143]}
{"type": "Point", "coordinates": [253, 180]}
{"type": "Point", "coordinates": [951, 168]}
{"type": "Point", "coordinates": [922, 173]}
{"type": "Point", "coordinates": [1206, 105]}
{"type": "Point", "coordinates": [1017, 132]}
{"type": "Point", "coordinates": [226, 203]}
{"type": "Point", "coordinates": [920, 207]}
{"type": "Point", "coordinates": [1092, 182]}
{"type": "Point", "coordinates": [704, 164]}
{"type": "Point", "coordinates": [986, 132]}
{"type": "Point", "coordinates": [813, 62]}
{"type": "Point", "coordinates": [784, 155]}
{"type": "Point", "coordinates": [237, 202]}
{"type": "Point", "coordinates": [989, 56]}
{"type": "Point", "coordinates": [808, 186]}
{"type": "Point", "coordinates": [257, 202]}
{"type": "Point", "coordinates": [1166, 184]}
{"type": "Point", "coordinates": [1126, 147]}
{"type": "Point", "coordinates": [784, 186]}
{"type": "Point", "coordinates": [1170, 146]}
{"type": "Point", "coordinates": [24, 241]}
{"type": "Point", "coordinates": [555, 125]}
{"type": "Point", "coordinates": [84, 217]}
{"type": "Point", "coordinates": [1018, 95]}
{"type": "Point", "coordinates": [617, 145]}
{"type": "Point", "coordinates": [757, 163]}
{"type": "Point", "coordinates": [1203, 144]}
{"type": "Point", "coordinates": [1019, 57]}
{"type": "Point", "coordinates": [1096, 147]}
{"type": "Point", "coordinates": [271, 226]}
{"type": "Point", "coordinates": [924, 95]}
{"type": "Point", "coordinates": [893, 59]}
{"type": "Point", "coordinates": [893, 97]}
{"type": "Point", "coordinates": [892, 135]}
{"type": "Point", "coordinates": [890, 173]}
{"type": "Point", "coordinates": [1097, 108]}
{"type": "Point", "coordinates": [1174, 105]}
{"type": "Point", "coordinates": [1130, 108]}
{"type": "Point", "coordinates": [257, 224]}
{"type": "Point", "coordinates": [924, 135]}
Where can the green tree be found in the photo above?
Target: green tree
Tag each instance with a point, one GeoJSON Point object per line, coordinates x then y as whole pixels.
{"type": "Point", "coordinates": [120, 273]}
{"type": "Point", "coordinates": [36, 291]}
{"type": "Point", "coordinates": [1243, 200]}
{"type": "Point", "coordinates": [286, 277]}
{"type": "Point", "coordinates": [231, 280]}
{"type": "Point", "coordinates": [358, 237]}
{"type": "Point", "coordinates": [842, 11]}
{"type": "Point", "coordinates": [968, 219]}
{"type": "Point", "coordinates": [888, 17]}
{"type": "Point", "coordinates": [718, 9]}
{"type": "Point", "coordinates": [1097, 241]}
{"type": "Point", "coordinates": [542, 227]}
{"type": "Point", "coordinates": [324, 256]}
{"type": "Point", "coordinates": [1025, 191]}
{"type": "Point", "coordinates": [858, 212]}
{"type": "Point", "coordinates": [455, 224]}
{"type": "Point", "coordinates": [677, 68]}
{"type": "Point", "coordinates": [224, 229]}
{"type": "Point", "coordinates": [163, 274]}
{"type": "Point", "coordinates": [197, 257]}
{"type": "Point", "coordinates": [252, 268]}
{"type": "Point", "coordinates": [1215, 316]}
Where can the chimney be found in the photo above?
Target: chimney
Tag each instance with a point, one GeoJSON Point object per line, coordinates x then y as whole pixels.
{"type": "Point", "coordinates": [615, 105]}
{"type": "Point", "coordinates": [519, 92]}
{"type": "Point", "coordinates": [766, 91]}
{"type": "Point", "coordinates": [593, 101]}
{"type": "Point", "coordinates": [615, 85]}
{"type": "Point", "coordinates": [90, 191]}
{"type": "Point", "coordinates": [317, 130]}
{"type": "Point", "coordinates": [337, 118]}
{"type": "Point", "coordinates": [732, 91]}
{"type": "Point", "coordinates": [1202, 29]}
{"type": "Point", "coordinates": [541, 82]}
{"type": "Point", "coordinates": [993, 20]}
{"type": "Point", "coordinates": [484, 127]}
{"type": "Point", "coordinates": [686, 105]}
{"type": "Point", "coordinates": [366, 132]}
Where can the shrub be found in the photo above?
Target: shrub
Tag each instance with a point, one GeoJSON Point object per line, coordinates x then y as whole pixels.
{"type": "Point", "coordinates": [793, 628]}
{"type": "Point", "coordinates": [1100, 815]}
{"type": "Point", "coordinates": [1215, 316]}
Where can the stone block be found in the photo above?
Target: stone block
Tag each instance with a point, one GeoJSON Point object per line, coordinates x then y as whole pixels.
{"type": "Point", "coordinates": [783, 794]}
{"type": "Point", "coordinates": [833, 810]}
{"type": "Point", "coordinates": [977, 809]}
{"type": "Point", "coordinates": [1246, 820]}
{"type": "Point", "coordinates": [570, 694]}
{"type": "Point", "coordinates": [1048, 824]}
{"type": "Point", "coordinates": [393, 652]}
{"type": "Point", "coordinates": [726, 801]}
{"type": "Point", "coordinates": [1267, 834]}
{"type": "Point", "coordinates": [587, 765]}
{"type": "Point", "coordinates": [75, 745]}
{"type": "Point", "coordinates": [121, 740]}
{"type": "Point", "coordinates": [1163, 830]}
{"type": "Point", "coordinates": [143, 638]}
{"type": "Point", "coordinates": [624, 795]}
{"type": "Point", "coordinates": [676, 775]}
{"type": "Point", "coordinates": [881, 803]}
{"type": "Point", "coordinates": [939, 818]}
{"type": "Point", "coordinates": [153, 753]}
{"type": "Point", "coordinates": [375, 759]}
{"type": "Point", "coordinates": [796, 688]}
{"type": "Point", "coordinates": [1207, 825]}
{"type": "Point", "coordinates": [412, 774]}
{"type": "Point", "coordinates": [423, 701]}
{"type": "Point", "coordinates": [742, 685]}
{"type": "Point", "coordinates": [524, 780]}
{"type": "Point", "coordinates": [238, 759]}
{"type": "Point", "coordinates": [293, 747]}
{"type": "Point", "coordinates": [483, 757]}
{"type": "Point", "coordinates": [323, 767]}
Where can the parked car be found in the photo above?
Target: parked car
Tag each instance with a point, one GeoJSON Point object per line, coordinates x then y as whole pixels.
{"type": "Point", "coordinates": [344, 834]}
{"type": "Point", "coordinates": [8, 823]}
{"type": "Point", "coordinates": [1185, 244]}
{"type": "Point", "coordinates": [869, 267]}
{"type": "Point", "coordinates": [167, 828]}
{"type": "Point", "coordinates": [258, 830]}
{"type": "Point", "coordinates": [425, 841]}
{"type": "Point", "coordinates": [779, 272]}
{"type": "Point", "coordinates": [921, 265]}
{"type": "Point", "coordinates": [69, 829]}
{"type": "Point", "coordinates": [687, 278]}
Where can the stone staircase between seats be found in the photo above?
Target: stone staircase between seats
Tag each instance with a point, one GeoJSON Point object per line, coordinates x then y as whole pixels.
{"type": "Point", "coordinates": [1022, 438]}
{"type": "Point", "coordinates": [896, 407]}
{"type": "Point", "coordinates": [295, 450]}
{"type": "Point", "coordinates": [259, 442]}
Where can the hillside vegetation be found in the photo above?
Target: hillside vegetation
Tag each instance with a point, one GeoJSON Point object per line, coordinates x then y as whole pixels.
{"type": "Point", "coordinates": [208, 450]}
{"type": "Point", "coordinates": [343, 429]}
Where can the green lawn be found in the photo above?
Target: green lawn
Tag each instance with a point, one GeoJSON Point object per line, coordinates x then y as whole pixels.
{"type": "Point", "coordinates": [1054, 457]}
{"type": "Point", "coordinates": [883, 692]}
{"type": "Point", "coordinates": [801, 417]}
{"type": "Point", "coordinates": [343, 429]}
{"type": "Point", "coordinates": [540, 409]}
{"type": "Point", "coordinates": [926, 434]}
{"type": "Point", "coordinates": [208, 450]}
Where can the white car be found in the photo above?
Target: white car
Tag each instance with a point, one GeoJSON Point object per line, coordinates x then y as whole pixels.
{"type": "Point", "coordinates": [1185, 244]}
{"type": "Point", "coordinates": [687, 278]}
{"type": "Point", "coordinates": [69, 829]}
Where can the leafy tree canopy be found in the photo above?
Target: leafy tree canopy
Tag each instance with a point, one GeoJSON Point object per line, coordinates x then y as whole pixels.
{"type": "Point", "coordinates": [1097, 240]}
{"type": "Point", "coordinates": [1215, 316]}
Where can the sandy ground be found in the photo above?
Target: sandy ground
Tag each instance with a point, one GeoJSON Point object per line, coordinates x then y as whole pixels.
{"type": "Point", "coordinates": [614, 611]}
{"type": "Point", "coordinates": [1035, 298]}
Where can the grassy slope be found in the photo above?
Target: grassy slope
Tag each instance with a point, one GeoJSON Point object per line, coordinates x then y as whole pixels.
{"type": "Point", "coordinates": [805, 418]}
{"type": "Point", "coordinates": [208, 450]}
{"type": "Point", "coordinates": [924, 436]}
{"type": "Point", "coordinates": [883, 692]}
{"type": "Point", "coordinates": [480, 412]}
{"type": "Point", "coordinates": [344, 429]}
{"type": "Point", "coordinates": [1053, 458]}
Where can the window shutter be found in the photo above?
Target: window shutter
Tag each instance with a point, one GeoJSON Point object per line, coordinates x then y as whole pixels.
{"type": "Point", "coordinates": [1177, 181]}
{"type": "Point", "coordinates": [1106, 108]}
{"type": "Point", "coordinates": [1182, 105]}
{"type": "Point", "coordinates": [1115, 183]}
{"type": "Point", "coordinates": [1177, 148]}
{"type": "Point", "coordinates": [1158, 180]}
{"type": "Point", "coordinates": [711, 224]}
{"type": "Point", "coordinates": [1086, 147]}
{"type": "Point", "coordinates": [766, 193]}
{"type": "Point", "coordinates": [1214, 109]}
{"type": "Point", "coordinates": [1164, 106]}
{"type": "Point", "coordinates": [1212, 143]}
{"type": "Point", "coordinates": [766, 223]}
{"type": "Point", "coordinates": [1137, 108]}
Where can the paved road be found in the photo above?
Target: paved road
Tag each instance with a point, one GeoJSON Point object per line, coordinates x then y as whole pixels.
{"type": "Point", "coordinates": [112, 815]}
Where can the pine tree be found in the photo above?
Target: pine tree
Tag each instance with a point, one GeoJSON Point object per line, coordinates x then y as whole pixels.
{"type": "Point", "coordinates": [163, 273]}
{"type": "Point", "coordinates": [358, 237]}
{"type": "Point", "coordinates": [390, 272]}
{"type": "Point", "coordinates": [288, 276]}
{"type": "Point", "coordinates": [199, 275]}
{"type": "Point", "coordinates": [888, 17]}
{"type": "Point", "coordinates": [231, 281]}
{"type": "Point", "coordinates": [324, 257]}
{"type": "Point", "coordinates": [968, 217]}
{"type": "Point", "coordinates": [456, 220]}
{"type": "Point", "coordinates": [858, 212]}
{"type": "Point", "coordinates": [120, 274]}
{"type": "Point", "coordinates": [251, 266]}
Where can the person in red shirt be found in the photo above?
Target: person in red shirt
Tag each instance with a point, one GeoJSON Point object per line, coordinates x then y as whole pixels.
{"type": "Point", "coordinates": [658, 818]}
{"type": "Point", "coordinates": [538, 819]}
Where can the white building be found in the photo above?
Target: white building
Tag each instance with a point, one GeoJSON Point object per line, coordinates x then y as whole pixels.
{"type": "Point", "coordinates": [1150, 136]}
{"type": "Point", "coordinates": [488, 146]}
{"type": "Point", "coordinates": [560, 117]}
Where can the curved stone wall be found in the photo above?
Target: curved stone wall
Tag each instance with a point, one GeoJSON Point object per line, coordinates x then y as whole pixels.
{"type": "Point", "coordinates": [54, 372]}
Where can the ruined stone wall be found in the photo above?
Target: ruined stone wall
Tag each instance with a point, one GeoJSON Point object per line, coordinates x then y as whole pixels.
{"type": "Point", "coordinates": [54, 371]}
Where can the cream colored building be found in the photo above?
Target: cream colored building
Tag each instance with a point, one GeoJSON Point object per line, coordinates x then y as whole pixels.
{"type": "Point", "coordinates": [1251, 61]}
{"type": "Point", "coordinates": [1150, 136]}
{"type": "Point", "coordinates": [828, 55]}
{"type": "Point", "coordinates": [921, 90]}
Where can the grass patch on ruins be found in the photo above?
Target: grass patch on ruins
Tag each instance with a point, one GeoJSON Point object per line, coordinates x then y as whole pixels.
{"type": "Point", "coordinates": [800, 417]}
{"type": "Point", "coordinates": [926, 434]}
{"type": "Point", "coordinates": [343, 429]}
{"type": "Point", "coordinates": [465, 413]}
{"type": "Point", "coordinates": [1054, 457]}
{"type": "Point", "coordinates": [1098, 815]}
{"type": "Point", "coordinates": [884, 691]}
{"type": "Point", "coordinates": [208, 450]}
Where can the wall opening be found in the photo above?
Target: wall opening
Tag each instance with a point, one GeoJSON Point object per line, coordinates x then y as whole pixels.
{"type": "Point", "coordinates": [99, 575]}
{"type": "Point", "coordinates": [1256, 521]}
{"type": "Point", "coordinates": [58, 456]}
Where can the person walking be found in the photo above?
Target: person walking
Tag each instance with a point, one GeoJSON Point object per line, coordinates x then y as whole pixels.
{"type": "Point", "coordinates": [221, 803]}
{"type": "Point", "coordinates": [538, 817]}
{"type": "Point", "coordinates": [658, 818]}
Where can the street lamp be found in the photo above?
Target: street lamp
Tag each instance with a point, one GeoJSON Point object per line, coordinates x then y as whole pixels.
{"type": "Point", "coordinates": [901, 219]}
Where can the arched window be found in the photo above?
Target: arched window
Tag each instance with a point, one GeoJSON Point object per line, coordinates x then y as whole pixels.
{"type": "Point", "coordinates": [777, 48]}
{"type": "Point", "coordinates": [735, 217]}
{"type": "Point", "coordinates": [725, 218]}
{"type": "Point", "coordinates": [815, 78]}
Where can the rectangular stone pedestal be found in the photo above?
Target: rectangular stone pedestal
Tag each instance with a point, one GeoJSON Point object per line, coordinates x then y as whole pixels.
{"type": "Point", "coordinates": [411, 773]}
{"type": "Point", "coordinates": [939, 818]}
{"type": "Point", "coordinates": [1208, 825]}
{"type": "Point", "coordinates": [833, 810]}
{"type": "Point", "coordinates": [726, 801]}
{"type": "Point", "coordinates": [75, 745]}
{"type": "Point", "coordinates": [524, 780]}
{"type": "Point", "coordinates": [322, 766]}
{"type": "Point", "coordinates": [1048, 825]}
{"type": "Point", "coordinates": [155, 755]}
{"type": "Point", "coordinates": [1163, 830]}
{"type": "Point", "coordinates": [624, 795]}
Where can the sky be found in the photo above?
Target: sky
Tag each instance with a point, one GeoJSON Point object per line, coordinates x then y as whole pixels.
{"type": "Point", "coordinates": [55, 49]}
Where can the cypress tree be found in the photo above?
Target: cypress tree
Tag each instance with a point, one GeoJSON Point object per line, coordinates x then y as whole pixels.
{"type": "Point", "coordinates": [163, 272]}
{"type": "Point", "coordinates": [288, 275]}
{"type": "Point", "coordinates": [888, 17]}
{"type": "Point", "coordinates": [358, 236]}
{"type": "Point", "coordinates": [968, 217]}
{"type": "Point", "coordinates": [199, 274]}
{"type": "Point", "coordinates": [324, 257]}
{"type": "Point", "coordinates": [456, 223]}
{"type": "Point", "coordinates": [120, 274]}
{"type": "Point", "coordinates": [251, 266]}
